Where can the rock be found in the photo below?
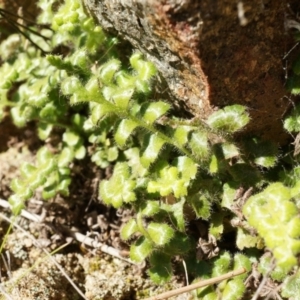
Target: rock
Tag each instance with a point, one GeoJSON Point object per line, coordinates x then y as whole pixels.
{"type": "Point", "coordinates": [212, 53]}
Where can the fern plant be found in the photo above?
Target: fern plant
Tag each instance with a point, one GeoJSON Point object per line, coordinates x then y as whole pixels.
{"type": "Point", "coordinates": [171, 171]}
{"type": "Point", "coordinates": [155, 172]}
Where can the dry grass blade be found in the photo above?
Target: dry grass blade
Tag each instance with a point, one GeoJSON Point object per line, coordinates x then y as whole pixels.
{"type": "Point", "coordinates": [24, 213]}
{"type": "Point", "coordinates": [97, 245]}
{"type": "Point", "coordinates": [197, 285]}
{"type": "Point", "coordinates": [3, 292]}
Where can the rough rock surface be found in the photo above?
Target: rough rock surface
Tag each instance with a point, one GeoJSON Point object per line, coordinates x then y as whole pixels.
{"type": "Point", "coordinates": [213, 53]}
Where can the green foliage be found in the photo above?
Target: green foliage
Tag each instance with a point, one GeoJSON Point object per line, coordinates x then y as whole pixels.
{"type": "Point", "coordinates": [292, 122]}
{"type": "Point", "coordinates": [290, 287]}
{"type": "Point", "coordinates": [229, 119]}
{"type": "Point", "coordinates": [119, 189]}
{"type": "Point", "coordinates": [48, 174]}
{"type": "Point", "coordinates": [262, 153]}
{"type": "Point", "coordinates": [275, 217]}
{"type": "Point", "coordinates": [161, 270]}
{"type": "Point", "coordinates": [232, 289]}
{"type": "Point", "coordinates": [170, 171]}
{"type": "Point", "coordinates": [173, 179]}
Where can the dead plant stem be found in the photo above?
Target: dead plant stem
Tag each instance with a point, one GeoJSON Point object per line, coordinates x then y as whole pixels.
{"type": "Point", "coordinates": [197, 285]}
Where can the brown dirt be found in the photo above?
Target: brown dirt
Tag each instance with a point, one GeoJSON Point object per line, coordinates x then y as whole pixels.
{"type": "Point", "coordinates": [25, 8]}
{"type": "Point", "coordinates": [245, 63]}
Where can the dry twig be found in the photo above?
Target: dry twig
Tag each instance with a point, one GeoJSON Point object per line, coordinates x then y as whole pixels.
{"type": "Point", "coordinates": [197, 285]}
{"type": "Point", "coordinates": [74, 234]}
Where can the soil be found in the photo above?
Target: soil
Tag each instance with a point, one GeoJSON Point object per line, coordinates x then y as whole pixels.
{"type": "Point", "coordinates": [245, 59]}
